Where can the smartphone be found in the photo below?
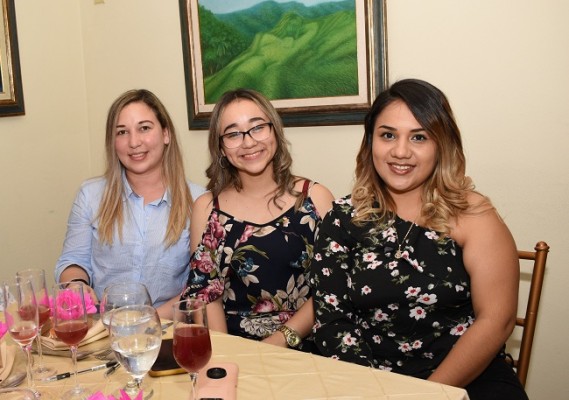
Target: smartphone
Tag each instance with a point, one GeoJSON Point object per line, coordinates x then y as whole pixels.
{"type": "Point", "coordinates": [218, 381]}
{"type": "Point", "coordinates": [165, 363]}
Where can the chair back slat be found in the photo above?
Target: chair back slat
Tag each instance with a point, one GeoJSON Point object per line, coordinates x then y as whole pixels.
{"type": "Point", "coordinates": [529, 321]}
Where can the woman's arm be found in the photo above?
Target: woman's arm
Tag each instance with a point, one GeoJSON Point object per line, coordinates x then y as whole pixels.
{"type": "Point", "coordinates": [200, 213]}
{"type": "Point", "coordinates": [165, 310]}
{"type": "Point", "coordinates": [302, 322]}
{"type": "Point", "coordinates": [491, 261]}
{"type": "Point", "coordinates": [322, 199]}
{"type": "Point", "coordinates": [216, 316]}
{"type": "Point", "coordinates": [335, 332]}
{"type": "Point", "coordinates": [75, 259]}
{"type": "Point", "coordinates": [200, 216]}
{"type": "Point", "coordinates": [215, 313]}
{"type": "Point", "coordinates": [303, 319]}
{"type": "Point", "coordinates": [77, 273]}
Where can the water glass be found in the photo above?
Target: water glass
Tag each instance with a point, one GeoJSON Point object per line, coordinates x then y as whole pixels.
{"type": "Point", "coordinates": [136, 335]}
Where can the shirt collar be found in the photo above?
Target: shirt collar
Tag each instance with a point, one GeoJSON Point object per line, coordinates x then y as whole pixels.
{"type": "Point", "coordinates": [129, 193]}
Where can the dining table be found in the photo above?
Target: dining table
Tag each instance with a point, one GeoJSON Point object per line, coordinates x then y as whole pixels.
{"type": "Point", "coordinates": [264, 372]}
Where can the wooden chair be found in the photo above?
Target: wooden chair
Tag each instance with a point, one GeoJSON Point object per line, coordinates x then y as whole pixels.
{"type": "Point", "coordinates": [529, 321]}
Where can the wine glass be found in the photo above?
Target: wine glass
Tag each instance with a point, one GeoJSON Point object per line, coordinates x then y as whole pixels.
{"type": "Point", "coordinates": [136, 335]}
{"type": "Point", "coordinates": [192, 344]}
{"type": "Point", "coordinates": [37, 278]}
{"type": "Point", "coordinates": [18, 393]}
{"type": "Point", "coordinates": [70, 326]}
{"type": "Point", "coordinates": [120, 295]}
{"type": "Point", "coordinates": [21, 314]}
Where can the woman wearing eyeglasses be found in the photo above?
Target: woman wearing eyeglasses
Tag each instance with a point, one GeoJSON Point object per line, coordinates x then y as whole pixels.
{"type": "Point", "coordinates": [253, 232]}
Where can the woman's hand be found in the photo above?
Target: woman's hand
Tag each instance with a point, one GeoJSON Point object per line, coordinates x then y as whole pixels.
{"type": "Point", "coordinates": [74, 273]}
{"type": "Point", "coordinates": [276, 338]}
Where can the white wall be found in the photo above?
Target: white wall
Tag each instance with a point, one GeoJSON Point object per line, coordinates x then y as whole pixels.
{"type": "Point", "coordinates": [502, 64]}
{"type": "Point", "coordinates": [44, 155]}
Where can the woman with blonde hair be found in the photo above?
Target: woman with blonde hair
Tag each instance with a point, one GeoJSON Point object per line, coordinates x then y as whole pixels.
{"type": "Point", "coordinates": [253, 232]}
{"type": "Point", "coordinates": [415, 272]}
{"type": "Point", "coordinates": [132, 224]}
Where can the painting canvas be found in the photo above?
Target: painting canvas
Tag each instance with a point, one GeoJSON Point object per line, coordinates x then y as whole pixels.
{"type": "Point", "coordinates": [11, 96]}
{"type": "Point", "coordinates": [318, 61]}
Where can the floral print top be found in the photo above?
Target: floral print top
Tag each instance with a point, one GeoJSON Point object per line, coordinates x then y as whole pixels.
{"type": "Point", "coordinates": [258, 269]}
{"type": "Point", "coordinates": [402, 315]}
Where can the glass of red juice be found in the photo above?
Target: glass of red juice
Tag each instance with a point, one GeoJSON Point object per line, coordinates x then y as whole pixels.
{"type": "Point", "coordinates": [191, 344]}
{"type": "Point", "coordinates": [21, 315]}
{"type": "Point", "coordinates": [37, 277]}
{"type": "Point", "coordinates": [70, 326]}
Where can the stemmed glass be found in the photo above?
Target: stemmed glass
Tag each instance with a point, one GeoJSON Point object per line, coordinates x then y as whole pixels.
{"type": "Point", "coordinates": [119, 295]}
{"type": "Point", "coordinates": [21, 314]}
{"type": "Point", "coordinates": [192, 344]}
{"type": "Point", "coordinates": [37, 278]}
{"type": "Point", "coordinates": [70, 326]}
{"type": "Point", "coordinates": [136, 335]}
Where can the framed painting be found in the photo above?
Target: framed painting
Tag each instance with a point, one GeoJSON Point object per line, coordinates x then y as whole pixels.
{"type": "Point", "coordinates": [11, 95]}
{"type": "Point", "coordinates": [320, 62]}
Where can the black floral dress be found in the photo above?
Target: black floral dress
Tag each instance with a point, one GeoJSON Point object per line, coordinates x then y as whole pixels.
{"type": "Point", "coordinates": [258, 269]}
{"type": "Point", "coordinates": [398, 314]}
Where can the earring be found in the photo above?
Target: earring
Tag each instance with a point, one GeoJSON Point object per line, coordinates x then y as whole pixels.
{"type": "Point", "coordinates": [222, 162]}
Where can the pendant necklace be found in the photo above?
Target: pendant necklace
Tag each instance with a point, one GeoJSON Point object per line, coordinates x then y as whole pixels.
{"type": "Point", "coordinates": [398, 253]}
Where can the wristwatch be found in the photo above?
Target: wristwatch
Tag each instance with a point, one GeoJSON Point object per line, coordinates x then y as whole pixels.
{"type": "Point", "coordinates": [291, 336]}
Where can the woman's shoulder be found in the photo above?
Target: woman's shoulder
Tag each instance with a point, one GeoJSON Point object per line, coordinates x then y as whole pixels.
{"type": "Point", "coordinates": [342, 208]}
{"type": "Point", "coordinates": [343, 202]}
{"type": "Point", "coordinates": [93, 185]}
{"type": "Point", "coordinates": [480, 218]}
{"type": "Point", "coordinates": [320, 195]}
{"type": "Point", "coordinates": [320, 191]}
{"type": "Point", "coordinates": [476, 205]}
{"type": "Point", "coordinates": [195, 189]}
{"type": "Point", "coordinates": [204, 202]}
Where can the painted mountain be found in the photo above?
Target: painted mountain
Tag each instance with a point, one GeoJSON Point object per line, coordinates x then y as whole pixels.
{"type": "Point", "coordinates": [284, 50]}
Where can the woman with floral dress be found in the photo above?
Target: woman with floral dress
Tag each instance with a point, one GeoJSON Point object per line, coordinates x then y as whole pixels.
{"type": "Point", "coordinates": [415, 272]}
{"type": "Point", "coordinates": [257, 226]}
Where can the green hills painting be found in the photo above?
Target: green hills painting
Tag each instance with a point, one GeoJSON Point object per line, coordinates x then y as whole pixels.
{"type": "Point", "coordinates": [285, 50]}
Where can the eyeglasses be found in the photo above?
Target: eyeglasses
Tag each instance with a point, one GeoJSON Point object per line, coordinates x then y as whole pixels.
{"type": "Point", "coordinates": [259, 132]}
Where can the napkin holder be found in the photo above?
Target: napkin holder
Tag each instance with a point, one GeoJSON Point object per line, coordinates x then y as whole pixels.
{"type": "Point", "coordinates": [7, 358]}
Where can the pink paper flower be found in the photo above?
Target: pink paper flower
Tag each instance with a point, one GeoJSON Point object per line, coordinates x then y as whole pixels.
{"type": "Point", "coordinates": [98, 396]}
{"type": "Point", "coordinates": [124, 396]}
{"type": "Point", "coordinates": [3, 329]}
{"type": "Point", "coordinates": [68, 305]}
{"type": "Point", "coordinates": [90, 304]}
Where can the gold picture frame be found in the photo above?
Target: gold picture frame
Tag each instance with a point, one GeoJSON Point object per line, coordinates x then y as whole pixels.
{"type": "Point", "coordinates": [369, 65]}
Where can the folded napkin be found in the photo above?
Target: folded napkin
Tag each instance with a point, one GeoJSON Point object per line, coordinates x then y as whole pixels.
{"type": "Point", "coordinates": [96, 332]}
{"type": "Point", "coordinates": [7, 357]}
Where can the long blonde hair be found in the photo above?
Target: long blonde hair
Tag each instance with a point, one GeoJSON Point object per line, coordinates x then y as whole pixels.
{"type": "Point", "coordinates": [111, 213]}
{"type": "Point", "coordinates": [445, 192]}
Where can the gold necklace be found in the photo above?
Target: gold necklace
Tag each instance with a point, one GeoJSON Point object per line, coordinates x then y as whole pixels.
{"type": "Point", "coordinates": [398, 253]}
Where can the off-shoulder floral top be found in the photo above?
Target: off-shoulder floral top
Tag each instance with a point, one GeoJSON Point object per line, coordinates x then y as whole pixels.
{"type": "Point", "coordinates": [398, 314]}
{"type": "Point", "coordinates": [259, 269]}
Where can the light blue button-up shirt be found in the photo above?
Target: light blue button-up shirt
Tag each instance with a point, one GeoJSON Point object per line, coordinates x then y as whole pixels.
{"type": "Point", "coordinates": [140, 257]}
